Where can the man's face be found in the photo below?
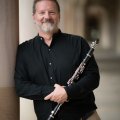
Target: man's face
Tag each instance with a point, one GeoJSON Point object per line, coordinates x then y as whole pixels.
{"type": "Point", "coordinates": [46, 16]}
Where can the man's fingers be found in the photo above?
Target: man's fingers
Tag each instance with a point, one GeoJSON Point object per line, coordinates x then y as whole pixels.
{"type": "Point", "coordinates": [48, 96]}
{"type": "Point", "coordinates": [56, 85]}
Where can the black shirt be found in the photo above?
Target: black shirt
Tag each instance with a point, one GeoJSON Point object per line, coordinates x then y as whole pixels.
{"type": "Point", "coordinates": [39, 67]}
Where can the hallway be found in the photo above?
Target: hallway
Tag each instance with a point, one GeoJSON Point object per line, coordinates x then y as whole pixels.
{"type": "Point", "coordinates": [108, 96]}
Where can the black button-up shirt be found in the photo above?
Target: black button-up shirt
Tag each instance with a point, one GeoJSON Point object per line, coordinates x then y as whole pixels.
{"type": "Point", "coordinates": [39, 67]}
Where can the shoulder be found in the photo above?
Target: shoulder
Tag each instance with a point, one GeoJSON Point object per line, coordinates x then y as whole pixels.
{"type": "Point", "coordinates": [26, 44]}
{"type": "Point", "coordinates": [25, 47]}
{"type": "Point", "coordinates": [72, 36]}
{"type": "Point", "coordinates": [75, 39]}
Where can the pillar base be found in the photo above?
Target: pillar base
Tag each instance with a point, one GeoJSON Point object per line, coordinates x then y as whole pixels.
{"type": "Point", "coordinates": [8, 104]}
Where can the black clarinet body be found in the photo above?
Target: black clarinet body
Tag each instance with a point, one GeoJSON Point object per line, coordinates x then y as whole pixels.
{"type": "Point", "coordinates": [76, 75]}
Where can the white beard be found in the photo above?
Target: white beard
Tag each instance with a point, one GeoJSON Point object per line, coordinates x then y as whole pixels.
{"type": "Point", "coordinates": [47, 27]}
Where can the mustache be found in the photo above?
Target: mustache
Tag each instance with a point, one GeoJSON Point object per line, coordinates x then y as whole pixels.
{"type": "Point", "coordinates": [48, 21]}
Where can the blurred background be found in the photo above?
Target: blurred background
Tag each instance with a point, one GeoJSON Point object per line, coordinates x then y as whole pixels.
{"type": "Point", "coordinates": [88, 18]}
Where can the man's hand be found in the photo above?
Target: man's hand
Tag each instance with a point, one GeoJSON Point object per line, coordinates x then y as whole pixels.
{"type": "Point", "coordinates": [59, 94]}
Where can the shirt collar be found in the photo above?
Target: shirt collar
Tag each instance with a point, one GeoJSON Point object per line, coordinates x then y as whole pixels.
{"type": "Point", "coordinates": [55, 35]}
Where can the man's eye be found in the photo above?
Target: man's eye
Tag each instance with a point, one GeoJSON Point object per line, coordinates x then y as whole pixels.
{"type": "Point", "coordinates": [41, 13]}
{"type": "Point", "coordinates": [52, 13]}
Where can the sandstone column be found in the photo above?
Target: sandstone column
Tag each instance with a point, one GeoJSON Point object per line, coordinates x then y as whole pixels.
{"type": "Point", "coordinates": [9, 37]}
{"type": "Point", "coordinates": [73, 16]}
{"type": "Point", "coordinates": [80, 17]}
{"type": "Point", "coordinates": [118, 32]}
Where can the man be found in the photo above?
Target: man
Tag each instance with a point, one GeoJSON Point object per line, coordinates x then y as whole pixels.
{"type": "Point", "coordinates": [45, 63]}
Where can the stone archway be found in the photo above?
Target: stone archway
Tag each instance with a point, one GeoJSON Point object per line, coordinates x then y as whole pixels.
{"type": "Point", "coordinates": [73, 16]}
{"type": "Point", "coordinates": [100, 25]}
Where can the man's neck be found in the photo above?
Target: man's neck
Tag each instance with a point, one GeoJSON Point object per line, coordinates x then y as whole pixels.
{"type": "Point", "coordinates": [47, 37]}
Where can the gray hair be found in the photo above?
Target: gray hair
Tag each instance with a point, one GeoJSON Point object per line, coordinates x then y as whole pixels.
{"type": "Point", "coordinates": [35, 2]}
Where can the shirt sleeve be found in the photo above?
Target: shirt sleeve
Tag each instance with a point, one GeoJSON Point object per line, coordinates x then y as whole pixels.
{"type": "Point", "coordinates": [88, 80]}
{"type": "Point", "coordinates": [24, 86]}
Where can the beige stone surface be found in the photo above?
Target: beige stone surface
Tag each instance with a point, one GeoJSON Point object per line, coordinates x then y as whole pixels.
{"type": "Point", "coordinates": [108, 96]}
{"type": "Point", "coordinates": [8, 104]}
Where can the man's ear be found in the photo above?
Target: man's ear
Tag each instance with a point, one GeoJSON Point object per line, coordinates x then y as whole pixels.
{"type": "Point", "coordinates": [59, 17]}
{"type": "Point", "coordinates": [33, 16]}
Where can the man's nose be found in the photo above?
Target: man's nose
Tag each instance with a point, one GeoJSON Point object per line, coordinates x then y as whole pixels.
{"type": "Point", "coordinates": [47, 15]}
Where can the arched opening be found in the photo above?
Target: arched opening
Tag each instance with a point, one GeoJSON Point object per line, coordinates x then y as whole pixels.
{"type": "Point", "coordinates": [97, 26]}
{"type": "Point", "coordinates": [93, 29]}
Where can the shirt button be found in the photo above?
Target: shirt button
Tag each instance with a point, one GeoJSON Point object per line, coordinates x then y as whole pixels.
{"type": "Point", "coordinates": [50, 63]}
{"type": "Point", "coordinates": [51, 78]}
{"type": "Point", "coordinates": [49, 49]}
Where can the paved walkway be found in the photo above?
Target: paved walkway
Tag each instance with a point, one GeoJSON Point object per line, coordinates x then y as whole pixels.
{"type": "Point", "coordinates": [108, 96]}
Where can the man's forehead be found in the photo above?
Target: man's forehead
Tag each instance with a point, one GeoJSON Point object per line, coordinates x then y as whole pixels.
{"type": "Point", "coordinates": [46, 6]}
{"type": "Point", "coordinates": [46, 3]}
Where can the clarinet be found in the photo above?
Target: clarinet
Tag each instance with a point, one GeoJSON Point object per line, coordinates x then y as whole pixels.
{"type": "Point", "coordinates": [75, 76]}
